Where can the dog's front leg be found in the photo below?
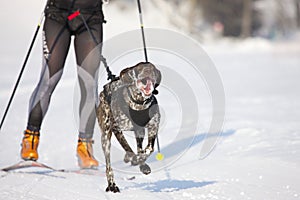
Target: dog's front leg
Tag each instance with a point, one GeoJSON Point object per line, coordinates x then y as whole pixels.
{"type": "Point", "coordinates": [139, 136]}
{"type": "Point", "coordinates": [144, 154]}
{"type": "Point", "coordinates": [144, 168]}
{"type": "Point", "coordinates": [106, 144]}
{"type": "Point", "coordinates": [153, 128]}
{"type": "Point", "coordinates": [152, 134]}
{"type": "Point", "coordinates": [122, 140]}
{"type": "Point", "coordinates": [139, 133]}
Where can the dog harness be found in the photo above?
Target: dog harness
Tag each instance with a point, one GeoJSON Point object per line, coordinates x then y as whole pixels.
{"type": "Point", "coordinates": [142, 117]}
{"type": "Point", "coordinates": [138, 117]}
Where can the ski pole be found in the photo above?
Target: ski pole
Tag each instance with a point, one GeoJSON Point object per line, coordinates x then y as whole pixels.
{"type": "Point", "coordinates": [159, 155]}
{"type": "Point", "coordinates": [142, 29]}
{"type": "Point", "coordinates": [22, 69]}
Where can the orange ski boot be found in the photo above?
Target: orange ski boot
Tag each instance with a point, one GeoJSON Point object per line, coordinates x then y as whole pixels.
{"type": "Point", "coordinates": [85, 156]}
{"type": "Point", "coordinates": [29, 145]}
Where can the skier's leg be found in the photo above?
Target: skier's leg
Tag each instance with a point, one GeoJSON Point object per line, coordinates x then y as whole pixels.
{"type": "Point", "coordinates": [88, 61]}
{"type": "Point", "coordinates": [56, 42]}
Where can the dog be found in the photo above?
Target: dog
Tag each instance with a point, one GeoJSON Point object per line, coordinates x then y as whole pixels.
{"type": "Point", "coordinates": [129, 104]}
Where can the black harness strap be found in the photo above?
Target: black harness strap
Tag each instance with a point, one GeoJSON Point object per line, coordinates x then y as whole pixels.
{"type": "Point", "coordinates": [139, 117]}
{"type": "Point", "coordinates": [142, 117]}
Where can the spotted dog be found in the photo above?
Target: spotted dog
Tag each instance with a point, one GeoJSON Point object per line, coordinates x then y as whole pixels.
{"type": "Point", "coordinates": [129, 104]}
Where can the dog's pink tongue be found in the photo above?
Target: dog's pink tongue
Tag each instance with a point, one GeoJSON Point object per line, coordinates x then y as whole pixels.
{"type": "Point", "coordinates": [148, 88]}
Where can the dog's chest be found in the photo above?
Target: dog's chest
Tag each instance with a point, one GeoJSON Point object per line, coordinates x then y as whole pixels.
{"type": "Point", "coordinates": [121, 120]}
{"type": "Point", "coordinates": [127, 118]}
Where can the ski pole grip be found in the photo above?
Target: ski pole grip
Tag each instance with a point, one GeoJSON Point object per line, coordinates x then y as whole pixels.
{"type": "Point", "coordinates": [73, 15]}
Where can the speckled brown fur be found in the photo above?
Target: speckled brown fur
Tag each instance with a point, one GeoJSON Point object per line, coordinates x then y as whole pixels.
{"type": "Point", "coordinates": [123, 107]}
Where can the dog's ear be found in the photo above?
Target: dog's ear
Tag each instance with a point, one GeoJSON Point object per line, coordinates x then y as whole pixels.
{"type": "Point", "coordinates": [158, 77]}
{"type": "Point", "coordinates": [157, 81]}
{"type": "Point", "coordinates": [128, 75]}
{"type": "Point", "coordinates": [157, 74]}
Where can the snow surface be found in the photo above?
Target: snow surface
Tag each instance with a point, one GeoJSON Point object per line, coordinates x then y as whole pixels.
{"type": "Point", "coordinates": [258, 154]}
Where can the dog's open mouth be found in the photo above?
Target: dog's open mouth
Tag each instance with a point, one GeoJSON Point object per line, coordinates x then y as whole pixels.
{"type": "Point", "coordinates": [146, 86]}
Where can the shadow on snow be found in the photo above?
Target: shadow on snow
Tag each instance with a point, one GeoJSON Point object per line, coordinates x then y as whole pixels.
{"type": "Point", "coordinates": [172, 185]}
{"type": "Point", "coordinates": [178, 147]}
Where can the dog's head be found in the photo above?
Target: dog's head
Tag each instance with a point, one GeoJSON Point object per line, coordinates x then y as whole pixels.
{"type": "Point", "coordinates": [145, 76]}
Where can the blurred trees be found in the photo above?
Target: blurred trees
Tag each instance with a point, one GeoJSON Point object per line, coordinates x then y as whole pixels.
{"type": "Point", "coordinates": [297, 6]}
{"type": "Point", "coordinates": [245, 18]}
{"type": "Point", "coordinates": [234, 18]}
{"type": "Point", "coordinates": [239, 17]}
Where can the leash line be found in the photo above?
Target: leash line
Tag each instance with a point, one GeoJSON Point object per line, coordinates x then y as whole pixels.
{"type": "Point", "coordinates": [142, 29]}
{"type": "Point", "coordinates": [110, 75]}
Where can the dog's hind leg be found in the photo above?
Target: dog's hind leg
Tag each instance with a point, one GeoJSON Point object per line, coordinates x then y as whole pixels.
{"type": "Point", "coordinates": [105, 121]}
{"type": "Point", "coordinates": [106, 144]}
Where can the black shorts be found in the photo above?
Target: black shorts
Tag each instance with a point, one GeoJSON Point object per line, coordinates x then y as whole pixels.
{"type": "Point", "coordinates": [77, 4]}
{"type": "Point", "coordinates": [59, 10]}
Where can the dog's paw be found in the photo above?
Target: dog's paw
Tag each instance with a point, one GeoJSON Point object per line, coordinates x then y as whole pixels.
{"type": "Point", "coordinates": [145, 169]}
{"type": "Point", "coordinates": [128, 157]}
{"type": "Point", "coordinates": [112, 187]}
{"type": "Point", "coordinates": [138, 159]}
{"type": "Point", "coordinates": [135, 160]}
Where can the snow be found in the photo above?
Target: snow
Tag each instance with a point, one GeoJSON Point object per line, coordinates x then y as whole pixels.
{"type": "Point", "coordinates": [257, 155]}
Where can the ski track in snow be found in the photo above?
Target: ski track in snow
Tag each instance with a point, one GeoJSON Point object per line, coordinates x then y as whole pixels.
{"type": "Point", "coordinates": [257, 156]}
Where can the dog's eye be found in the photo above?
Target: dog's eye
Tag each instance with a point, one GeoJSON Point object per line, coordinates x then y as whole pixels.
{"type": "Point", "coordinates": [144, 81]}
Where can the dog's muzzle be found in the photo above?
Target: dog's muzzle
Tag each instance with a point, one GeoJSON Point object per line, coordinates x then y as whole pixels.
{"type": "Point", "coordinates": [146, 86]}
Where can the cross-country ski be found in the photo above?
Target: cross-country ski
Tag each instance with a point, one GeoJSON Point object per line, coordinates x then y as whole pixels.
{"type": "Point", "coordinates": [26, 164]}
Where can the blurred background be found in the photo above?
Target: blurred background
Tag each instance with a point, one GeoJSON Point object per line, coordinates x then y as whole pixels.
{"type": "Point", "coordinates": [209, 19]}
{"type": "Point", "coordinates": [255, 46]}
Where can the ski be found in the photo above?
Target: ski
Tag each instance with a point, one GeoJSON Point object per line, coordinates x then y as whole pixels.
{"type": "Point", "coordinates": [30, 164]}
{"type": "Point", "coordinates": [27, 164]}
{"type": "Point", "coordinates": [92, 172]}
